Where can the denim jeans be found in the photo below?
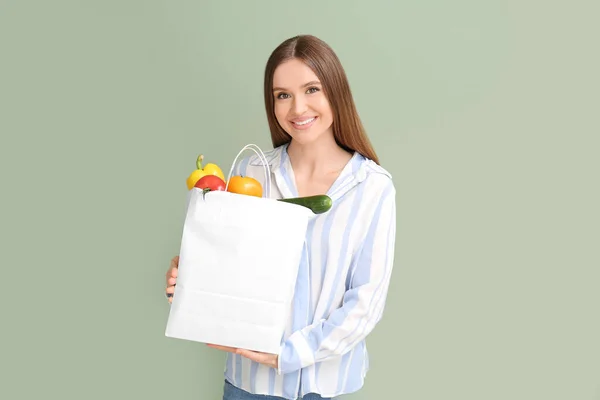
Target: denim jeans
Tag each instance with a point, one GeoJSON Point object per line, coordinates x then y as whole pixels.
{"type": "Point", "coordinates": [233, 393]}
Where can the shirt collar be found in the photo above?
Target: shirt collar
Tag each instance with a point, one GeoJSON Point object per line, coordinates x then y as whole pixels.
{"type": "Point", "coordinates": [278, 160]}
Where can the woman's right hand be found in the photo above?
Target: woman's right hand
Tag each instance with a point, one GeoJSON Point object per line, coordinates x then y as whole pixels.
{"type": "Point", "coordinates": [171, 278]}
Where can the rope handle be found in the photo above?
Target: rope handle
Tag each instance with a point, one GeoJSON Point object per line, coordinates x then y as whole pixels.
{"type": "Point", "coordinates": [265, 165]}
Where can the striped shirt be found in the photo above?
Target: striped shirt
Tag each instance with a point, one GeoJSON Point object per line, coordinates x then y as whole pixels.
{"type": "Point", "coordinates": [341, 286]}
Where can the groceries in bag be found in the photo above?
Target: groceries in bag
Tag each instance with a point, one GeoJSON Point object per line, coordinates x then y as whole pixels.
{"type": "Point", "coordinates": [239, 259]}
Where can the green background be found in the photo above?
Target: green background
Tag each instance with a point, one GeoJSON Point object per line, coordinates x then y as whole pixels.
{"type": "Point", "coordinates": [486, 113]}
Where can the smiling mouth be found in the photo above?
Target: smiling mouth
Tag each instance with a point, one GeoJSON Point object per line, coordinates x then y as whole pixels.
{"type": "Point", "coordinates": [304, 122]}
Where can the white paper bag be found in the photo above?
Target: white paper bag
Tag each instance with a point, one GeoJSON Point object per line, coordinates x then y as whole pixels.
{"type": "Point", "coordinates": [238, 264]}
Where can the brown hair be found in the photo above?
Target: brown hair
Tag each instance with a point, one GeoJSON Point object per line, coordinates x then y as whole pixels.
{"type": "Point", "coordinates": [348, 129]}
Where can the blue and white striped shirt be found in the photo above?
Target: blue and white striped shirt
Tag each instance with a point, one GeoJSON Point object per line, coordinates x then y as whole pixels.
{"type": "Point", "coordinates": [341, 287]}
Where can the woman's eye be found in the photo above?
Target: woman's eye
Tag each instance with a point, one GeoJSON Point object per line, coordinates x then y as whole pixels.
{"type": "Point", "coordinates": [282, 96]}
{"type": "Point", "coordinates": [313, 89]}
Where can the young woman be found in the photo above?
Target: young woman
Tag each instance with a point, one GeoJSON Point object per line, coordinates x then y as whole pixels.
{"type": "Point", "coordinates": [320, 147]}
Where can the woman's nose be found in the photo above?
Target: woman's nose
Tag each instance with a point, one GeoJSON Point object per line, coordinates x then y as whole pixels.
{"type": "Point", "coordinates": [299, 105]}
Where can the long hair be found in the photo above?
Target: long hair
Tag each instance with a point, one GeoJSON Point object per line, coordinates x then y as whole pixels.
{"type": "Point", "coordinates": [348, 129]}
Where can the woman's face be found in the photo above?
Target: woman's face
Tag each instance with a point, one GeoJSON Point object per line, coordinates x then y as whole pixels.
{"type": "Point", "coordinates": [301, 107]}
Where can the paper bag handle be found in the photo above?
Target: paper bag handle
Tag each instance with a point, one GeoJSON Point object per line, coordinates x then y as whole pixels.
{"type": "Point", "coordinates": [265, 165]}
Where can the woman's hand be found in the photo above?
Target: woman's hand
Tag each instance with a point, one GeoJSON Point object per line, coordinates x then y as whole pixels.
{"type": "Point", "coordinates": [171, 278]}
{"type": "Point", "coordinates": [270, 360]}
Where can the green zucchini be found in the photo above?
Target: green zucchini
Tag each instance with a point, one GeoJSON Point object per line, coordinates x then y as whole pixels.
{"type": "Point", "coordinates": [318, 204]}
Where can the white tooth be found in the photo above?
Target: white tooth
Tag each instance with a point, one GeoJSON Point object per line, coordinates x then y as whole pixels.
{"type": "Point", "coordinates": [304, 122]}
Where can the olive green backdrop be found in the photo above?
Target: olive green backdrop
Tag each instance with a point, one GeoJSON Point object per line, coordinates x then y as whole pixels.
{"type": "Point", "coordinates": [485, 112]}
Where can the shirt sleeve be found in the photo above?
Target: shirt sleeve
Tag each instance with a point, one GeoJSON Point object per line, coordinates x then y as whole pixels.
{"type": "Point", "coordinates": [363, 302]}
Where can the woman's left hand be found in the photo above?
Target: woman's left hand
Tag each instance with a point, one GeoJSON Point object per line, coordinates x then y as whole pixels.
{"type": "Point", "coordinates": [270, 360]}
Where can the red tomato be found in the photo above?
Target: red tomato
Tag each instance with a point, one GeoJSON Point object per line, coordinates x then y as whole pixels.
{"type": "Point", "coordinates": [211, 182]}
